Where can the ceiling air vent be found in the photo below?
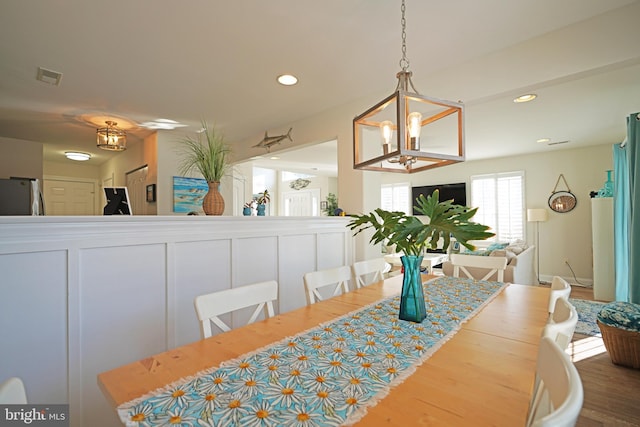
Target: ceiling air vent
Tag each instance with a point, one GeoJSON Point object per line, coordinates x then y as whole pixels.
{"type": "Point", "coordinates": [49, 76]}
{"type": "Point", "coordinates": [558, 142]}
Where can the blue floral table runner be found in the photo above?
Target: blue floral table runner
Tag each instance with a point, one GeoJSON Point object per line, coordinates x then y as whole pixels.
{"type": "Point", "coordinates": [326, 376]}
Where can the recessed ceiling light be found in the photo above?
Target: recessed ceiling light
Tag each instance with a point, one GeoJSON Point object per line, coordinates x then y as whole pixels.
{"type": "Point", "coordinates": [287, 79]}
{"type": "Point", "coordinates": [544, 140]}
{"type": "Point", "coordinates": [274, 158]}
{"type": "Point", "coordinates": [525, 98]}
{"type": "Point", "coordinates": [74, 155]}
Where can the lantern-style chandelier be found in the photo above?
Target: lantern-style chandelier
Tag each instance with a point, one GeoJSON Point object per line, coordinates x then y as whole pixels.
{"type": "Point", "coordinates": [111, 137]}
{"type": "Point", "coordinates": [391, 135]}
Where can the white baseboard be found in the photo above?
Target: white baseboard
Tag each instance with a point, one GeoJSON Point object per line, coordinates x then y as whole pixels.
{"type": "Point", "coordinates": [587, 283]}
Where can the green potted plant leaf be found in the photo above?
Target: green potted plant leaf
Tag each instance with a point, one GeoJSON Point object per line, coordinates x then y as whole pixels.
{"type": "Point", "coordinates": [263, 199]}
{"type": "Point", "coordinates": [248, 207]}
{"type": "Point", "coordinates": [332, 205]}
{"type": "Point", "coordinates": [412, 237]}
{"type": "Point", "coordinates": [208, 156]}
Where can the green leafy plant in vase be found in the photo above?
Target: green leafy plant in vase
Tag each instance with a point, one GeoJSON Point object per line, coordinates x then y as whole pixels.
{"type": "Point", "coordinates": [208, 155]}
{"type": "Point", "coordinates": [412, 236]}
{"type": "Point", "coordinates": [332, 205]}
{"type": "Point", "coordinates": [263, 199]}
{"type": "Point", "coordinates": [248, 207]}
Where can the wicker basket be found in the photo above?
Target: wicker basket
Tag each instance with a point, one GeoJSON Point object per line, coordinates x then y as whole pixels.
{"type": "Point", "coordinates": [213, 202]}
{"type": "Point", "coordinates": [623, 345]}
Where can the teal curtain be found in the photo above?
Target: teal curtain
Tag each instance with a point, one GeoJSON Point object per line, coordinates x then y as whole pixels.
{"type": "Point", "coordinates": [633, 160]}
{"type": "Point", "coordinates": [621, 215]}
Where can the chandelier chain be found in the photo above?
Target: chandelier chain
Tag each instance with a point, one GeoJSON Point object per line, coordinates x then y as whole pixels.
{"type": "Point", "coordinates": [404, 62]}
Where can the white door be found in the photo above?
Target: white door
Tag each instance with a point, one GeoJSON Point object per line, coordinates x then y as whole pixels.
{"type": "Point", "coordinates": [107, 182]}
{"type": "Point", "coordinates": [137, 190]}
{"type": "Point", "coordinates": [69, 197]}
{"type": "Point", "coordinates": [302, 202]}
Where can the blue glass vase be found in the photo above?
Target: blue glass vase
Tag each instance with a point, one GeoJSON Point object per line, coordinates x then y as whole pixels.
{"type": "Point", "coordinates": [608, 185]}
{"type": "Point", "coordinates": [412, 305]}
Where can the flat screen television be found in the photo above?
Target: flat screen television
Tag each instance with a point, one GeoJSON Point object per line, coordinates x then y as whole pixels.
{"type": "Point", "coordinates": [457, 192]}
{"type": "Point", "coordinates": [117, 201]}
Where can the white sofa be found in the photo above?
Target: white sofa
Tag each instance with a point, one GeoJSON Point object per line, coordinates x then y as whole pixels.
{"type": "Point", "coordinates": [520, 267]}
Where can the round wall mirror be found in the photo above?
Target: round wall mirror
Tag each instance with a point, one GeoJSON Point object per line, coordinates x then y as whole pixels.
{"type": "Point", "coordinates": [562, 201]}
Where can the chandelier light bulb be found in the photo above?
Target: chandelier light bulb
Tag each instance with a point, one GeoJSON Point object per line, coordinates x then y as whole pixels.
{"type": "Point", "coordinates": [386, 128]}
{"type": "Point", "coordinates": [414, 125]}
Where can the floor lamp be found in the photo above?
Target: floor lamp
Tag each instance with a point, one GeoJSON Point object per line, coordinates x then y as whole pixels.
{"type": "Point", "coordinates": [537, 216]}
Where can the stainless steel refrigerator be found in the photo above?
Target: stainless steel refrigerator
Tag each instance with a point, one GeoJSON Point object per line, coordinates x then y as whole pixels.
{"type": "Point", "coordinates": [21, 196]}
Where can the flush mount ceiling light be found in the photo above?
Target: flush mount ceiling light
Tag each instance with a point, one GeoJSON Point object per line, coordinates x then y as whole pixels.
{"type": "Point", "coordinates": [74, 155]}
{"type": "Point", "coordinates": [287, 79]}
{"type": "Point", "coordinates": [112, 138]}
{"type": "Point", "coordinates": [388, 136]}
{"type": "Point", "coordinates": [162, 124]}
{"type": "Point", "coordinates": [525, 98]}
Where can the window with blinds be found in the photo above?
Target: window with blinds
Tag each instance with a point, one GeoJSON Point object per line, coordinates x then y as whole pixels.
{"type": "Point", "coordinates": [500, 202]}
{"type": "Point", "coordinates": [396, 197]}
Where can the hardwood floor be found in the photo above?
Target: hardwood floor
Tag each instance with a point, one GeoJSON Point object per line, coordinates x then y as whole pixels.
{"type": "Point", "coordinates": [611, 393]}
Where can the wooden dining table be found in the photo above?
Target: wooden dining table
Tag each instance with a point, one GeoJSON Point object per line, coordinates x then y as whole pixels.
{"type": "Point", "coordinates": [482, 376]}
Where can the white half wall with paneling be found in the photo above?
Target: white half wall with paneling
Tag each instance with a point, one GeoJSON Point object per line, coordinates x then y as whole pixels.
{"type": "Point", "coordinates": [83, 295]}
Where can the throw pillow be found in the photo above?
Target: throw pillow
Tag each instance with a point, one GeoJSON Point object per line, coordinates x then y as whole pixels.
{"type": "Point", "coordinates": [517, 246]}
{"type": "Point", "coordinates": [480, 252]}
{"type": "Point", "coordinates": [496, 246]}
{"type": "Point", "coordinates": [504, 253]}
{"type": "Point", "coordinates": [515, 249]}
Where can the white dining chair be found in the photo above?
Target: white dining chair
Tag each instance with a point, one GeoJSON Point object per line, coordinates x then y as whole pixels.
{"type": "Point", "coordinates": [12, 392]}
{"type": "Point", "coordinates": [372, 269]}
{"type": "Point", "coordinates": [337, 277]}
{"type": "Point", "coordinates": [560, 288]}
{"type": "Point", "coordinates": [557, 391]}
{"type": "Point", "coordinates": [562, 323]}
{"type": "Point", "coordinates": [494, 264]}
{"type": "Point", "coordinates": [210, 306]}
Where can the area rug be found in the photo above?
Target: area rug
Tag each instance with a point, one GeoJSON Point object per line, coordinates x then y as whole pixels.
{"type": "Point", "coordinates": [587, 313]}
{"type": "Point", "coordinates": [326, 376]}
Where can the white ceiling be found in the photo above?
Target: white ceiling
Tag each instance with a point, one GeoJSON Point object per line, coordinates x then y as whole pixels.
{"type": "Point", "coordinates": [144, 60]}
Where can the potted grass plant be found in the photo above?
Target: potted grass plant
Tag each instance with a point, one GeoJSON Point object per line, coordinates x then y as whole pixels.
{"type": "Point", "coordinates": [208, 155]}
{"type": "Point", "coordinates": [412, 236]}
